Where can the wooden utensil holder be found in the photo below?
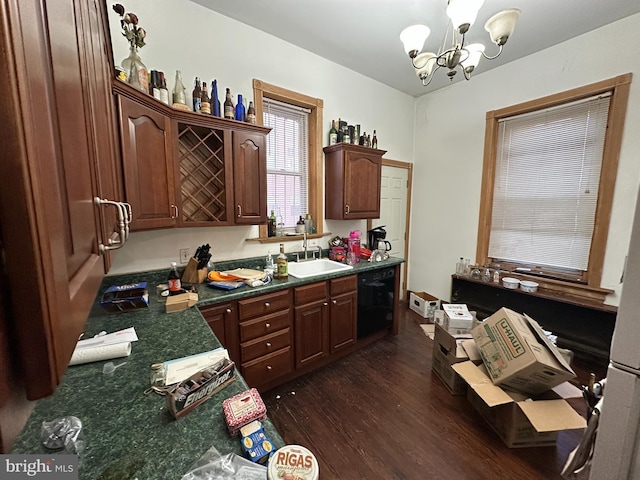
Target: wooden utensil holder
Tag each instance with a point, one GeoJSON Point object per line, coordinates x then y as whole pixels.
{"type": "Point", "coordinates": [191, 273]}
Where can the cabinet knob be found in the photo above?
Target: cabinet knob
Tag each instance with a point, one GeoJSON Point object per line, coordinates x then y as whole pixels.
{"type": "Point", "coordinates": [269, 367]}
{"type": "Point", "coordinates": [228, 310]}
{"type": "Point", "coordinates": [269, 344]}
{"type": "Point", "coordinates": [267, 304]}
{"type": "Point", "coordinates": [325, 303]}
{"type": "Point", "coordinates": [267, 325]}
{"type": "Point", "coordinates": [334, 302]}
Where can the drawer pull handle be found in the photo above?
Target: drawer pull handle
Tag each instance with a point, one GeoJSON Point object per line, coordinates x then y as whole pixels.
{"type": "Point", "coordinates": [267, 304]}
{"type": "Point", "coordinates": [269, 367]}
{"type": "Point", "coordinates": [267, 325]}
{"type": "Point", "coordinates": [269, 344]}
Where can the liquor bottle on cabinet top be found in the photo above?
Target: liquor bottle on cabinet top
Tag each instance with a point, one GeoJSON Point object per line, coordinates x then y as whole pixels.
{"type": "Point", "coordinates": [164, 93]}
{"type": "Point", "coordinates": [240, 111]}
{"type": "Point", "coordinates": [333, 133]}
{"type": "Point", "coordinates": [205, 103]}
{"type": "Point", "coordinates": [251, 114]}
{"type": "Point", "coordinates": [271, 226]}
{"type": "Point", "coordinates": [154, 85]}
{"type": "Point", "coordinates": [197, 96]}
{"type": "Point", "coordinates": [215, 101]}
{"type": "Point", "coordinates": [229, 111]}
{"type": "Point", "coordinates": [179, 96]}
{"type": "Point", "coordinates": [374, 140]}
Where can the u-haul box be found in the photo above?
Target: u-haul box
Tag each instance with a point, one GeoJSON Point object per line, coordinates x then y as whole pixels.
{"type": "Point", "coordinates": [520, 421]}
{"type": "Point", "coordinates": [518, 355]}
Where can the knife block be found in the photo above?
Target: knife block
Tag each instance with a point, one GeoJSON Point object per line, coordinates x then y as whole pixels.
{"type": "Point", "coordinates": [191, 273]}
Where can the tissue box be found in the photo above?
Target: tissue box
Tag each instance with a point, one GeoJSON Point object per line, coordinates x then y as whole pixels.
{"type": "Point", "coordinates": [124, 298]}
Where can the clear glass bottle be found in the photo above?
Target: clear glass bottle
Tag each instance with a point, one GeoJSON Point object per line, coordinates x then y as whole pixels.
{"type": "Point", "coordinates": [460, 267]}
{"type": "Point", "coordinates": [496, 274]}
{"type": "Point", "coordinates": [137, 73]}
{"type": "Point", "coordinates": [486, 274]}
{"type": "Point", "coordinates": [475, 272]}
{"type": "Point", "coordinates": [157, 375]}
{"type": "Point", "coordinates": [179, 95]}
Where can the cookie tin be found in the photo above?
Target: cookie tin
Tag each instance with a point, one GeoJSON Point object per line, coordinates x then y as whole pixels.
{"type": "Point", "coordinates": [293, 462]}
{"type": "Point", "coordinates": [243, 408]}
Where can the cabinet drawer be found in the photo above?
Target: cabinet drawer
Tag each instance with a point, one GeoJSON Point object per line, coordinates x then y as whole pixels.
{"type": "Point", "coordinates": [310, 293]}
{"type": "Point", "coordinates": [264, 369]}
{"type": "Point", "coordinates": [265, 345]}
{"type": "Point", "coordinates": [344, 285]}
{"type": "Point", "coordinates": [258, 327]}
{"type": "Point", "coordinates": [263, 305]}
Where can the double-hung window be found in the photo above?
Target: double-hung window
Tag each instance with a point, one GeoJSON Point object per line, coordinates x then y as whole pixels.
{"type": "Point", "coordinates": [287, 160]}
{"type": "Point", "coordinates": [548, 182]}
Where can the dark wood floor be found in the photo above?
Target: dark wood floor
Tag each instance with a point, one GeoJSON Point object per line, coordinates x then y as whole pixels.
{"type": "Point", "coordinates": [381, 413]}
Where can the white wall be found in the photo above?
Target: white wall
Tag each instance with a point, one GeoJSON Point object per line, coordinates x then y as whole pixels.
{"type": "Point", "coordinates": [184, 36]}
{"type": "Point", "coordinates": [449, 142]}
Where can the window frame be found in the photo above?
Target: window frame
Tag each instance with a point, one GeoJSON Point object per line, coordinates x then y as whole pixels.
{"type": "Point", "coordinates": [263, 90]}
{"type": "Point", "coordinates": [589, 285]}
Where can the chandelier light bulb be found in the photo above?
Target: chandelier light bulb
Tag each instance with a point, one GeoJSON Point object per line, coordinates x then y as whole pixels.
{"type": "Point", "coordinates": [413, 38]}
{"type": "Point", "coordinates": [501, 25]}
{"type": "Point", "coordinates": [463, 13]}
{"type": "Point", "coordinates": [474, 51]}
{"type": "Point", "coordinates": [424, 64]}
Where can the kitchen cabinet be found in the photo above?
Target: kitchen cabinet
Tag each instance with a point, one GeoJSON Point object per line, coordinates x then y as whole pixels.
{"type": "Point", "coordinates": [59, 154]}
{"type": "Point", "coordinates": [352, 181]}
{"type": "Point", "coordinates": [187, 169]}
{"type": "Point", "coordinates": [325, 319]}
{"type": "Point", "coordinates": [147, 158]}
{"type": "Point", "coordinates": [223, 321]}
{"type": "Point", "coordinates": [265, 335]}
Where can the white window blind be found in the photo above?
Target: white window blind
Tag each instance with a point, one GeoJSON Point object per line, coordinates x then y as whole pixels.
{"type": "Point", "coordinates": [547, 176]}
{"type": "Point", "coordinates": [287, 160]}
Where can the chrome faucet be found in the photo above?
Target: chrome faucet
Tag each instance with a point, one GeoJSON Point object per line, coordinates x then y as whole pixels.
{"type": "Point", "coordinates": [304, 243]}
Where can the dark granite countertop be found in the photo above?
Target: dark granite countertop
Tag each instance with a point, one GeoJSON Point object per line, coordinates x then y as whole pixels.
{"type": "Point", "coordinates": [130, 434]}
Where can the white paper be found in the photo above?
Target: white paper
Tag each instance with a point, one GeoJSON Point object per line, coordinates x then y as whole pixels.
{"type": "Point", "coordinates": [100, 352]}
{"type": "Point", "coordinates": [182, 368]}
{"type": "Point", "coordinates": [121, 336]}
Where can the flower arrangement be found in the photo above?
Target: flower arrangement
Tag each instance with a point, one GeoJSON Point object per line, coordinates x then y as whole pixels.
{"type": "Point", "coordinates": [130, 29]}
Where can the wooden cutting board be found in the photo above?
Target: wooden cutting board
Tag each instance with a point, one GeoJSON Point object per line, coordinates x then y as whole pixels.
{"type": "Point", "coordinates": [245, 273]}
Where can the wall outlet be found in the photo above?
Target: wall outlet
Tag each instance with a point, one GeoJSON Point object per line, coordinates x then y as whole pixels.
{"type": "Point", "coordinates": [185, 255]}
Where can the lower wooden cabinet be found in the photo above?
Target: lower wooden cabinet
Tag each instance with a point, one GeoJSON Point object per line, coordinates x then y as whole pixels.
{"type": "Point", "coordinates": [275, 337]}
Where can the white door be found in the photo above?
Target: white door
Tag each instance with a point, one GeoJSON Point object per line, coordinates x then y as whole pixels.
{"type": "Point", "coordinates": [393, 211]}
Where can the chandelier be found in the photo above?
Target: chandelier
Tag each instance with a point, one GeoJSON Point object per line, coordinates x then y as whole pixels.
{"type": "Point", "coordinates": [462, 14]}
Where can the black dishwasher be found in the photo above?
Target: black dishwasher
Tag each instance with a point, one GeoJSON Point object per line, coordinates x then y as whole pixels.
{"type": "Point", "coordinates": [376, 290]}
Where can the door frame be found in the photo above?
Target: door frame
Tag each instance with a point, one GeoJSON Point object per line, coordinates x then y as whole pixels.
{"type": "Point", "coordinates": [409, 167]}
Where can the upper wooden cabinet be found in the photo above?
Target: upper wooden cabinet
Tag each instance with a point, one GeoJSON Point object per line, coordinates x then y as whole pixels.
{"type": "Point", "coordinates": [58, 156]}
{"type": "Point", "coordinates": [352, 181]}
{"type": "Point", "coordinates": [188, 169]}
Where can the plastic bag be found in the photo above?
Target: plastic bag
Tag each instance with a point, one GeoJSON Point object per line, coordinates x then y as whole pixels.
{"type": "Point", "coordinates": [213, 466]}
{"type": "Point", "coordinates": [63, 433]}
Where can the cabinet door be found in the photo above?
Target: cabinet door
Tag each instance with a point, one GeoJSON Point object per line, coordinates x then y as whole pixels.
{"type": "Point", "coordinates": [344, 321]}
{"type": "Point", "coordinates": [147, 158]}
{"type": "Point", "coordinates": [362, 176]}
{"type": "Point", "coordinates": [223, 320]}
{"type": "Point", "coordinates": [51, 224]}
{"type": "Point", "coordinates": [311, 333]}
{"type": "Point", "coordinates": [249, 178]}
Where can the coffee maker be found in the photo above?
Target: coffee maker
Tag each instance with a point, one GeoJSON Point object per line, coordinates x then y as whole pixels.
{"type": "Point", "coordinates": [375, 236]}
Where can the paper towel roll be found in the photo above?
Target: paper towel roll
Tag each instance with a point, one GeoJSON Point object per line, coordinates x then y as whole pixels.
{"type": "Point", "coordinates": [102, 352]}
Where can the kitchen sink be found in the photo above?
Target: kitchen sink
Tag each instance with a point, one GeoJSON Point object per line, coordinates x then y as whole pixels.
{"type": "Point", "coordinates": [312, 268]}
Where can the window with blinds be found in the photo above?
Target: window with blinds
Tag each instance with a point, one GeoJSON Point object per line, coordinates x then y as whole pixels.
{"type": "Point", "coordinates": [287, 160]}
{"type": "Point", "coordinates": [545, 194]}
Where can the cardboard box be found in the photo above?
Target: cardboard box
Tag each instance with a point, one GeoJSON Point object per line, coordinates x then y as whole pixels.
{"type": "Point", "coordinates": [518, 355]}
{"type": "Point", "coordinates": [447, 350]}
{"type": "Point", "coordinates": [124, 298]}
{"type": "Point", "coordinates": [518, 420]}
{"type": "Point", "coordinates": [457, 318]}
{"type": "Point", "coordinates": [423, 304]}
{"type": "Point", "coordinates": [200, 387]}
{"type": "Point", "coordinates": [177, 303]}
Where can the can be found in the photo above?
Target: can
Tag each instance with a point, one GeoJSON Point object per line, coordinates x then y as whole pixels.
{"type": "Point", "coordinates": [293, 462]}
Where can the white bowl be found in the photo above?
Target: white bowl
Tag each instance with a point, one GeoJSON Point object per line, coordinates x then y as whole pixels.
{"type": "Point", "coordinates": [528, 286]}
{"type": "Point", "coordinates": [508, 282]}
